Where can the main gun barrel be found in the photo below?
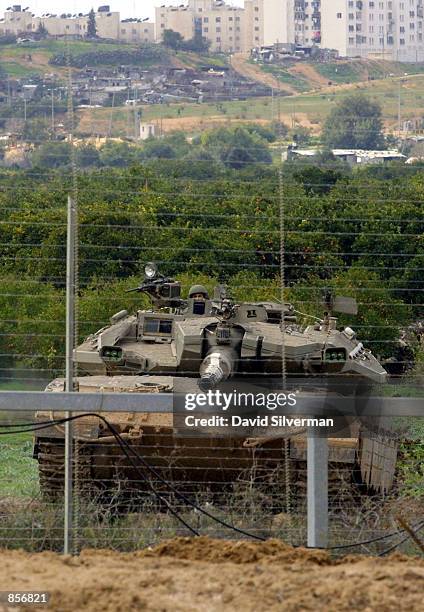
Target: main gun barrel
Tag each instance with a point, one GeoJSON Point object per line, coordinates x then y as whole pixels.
{"type": "Point", "coordinates": [217, 366]}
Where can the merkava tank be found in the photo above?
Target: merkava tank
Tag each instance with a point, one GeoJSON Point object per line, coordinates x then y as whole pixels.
{"type": "Point", "coordinates": [197, 344]}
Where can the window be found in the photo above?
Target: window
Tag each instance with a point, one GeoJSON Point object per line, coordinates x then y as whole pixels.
{"type": "Point", "coordinates": [339, 15]}
{"type": "Point", "coordinates": [218, 39]}
{"type": "Point", "coordinates": [206, 30]}
{"type": "Point", "coordinates": [205, 19]}
{"type": "Point", "coordinates": [218, 29]}
{"type": "Point", "coordinates": [218, 19]}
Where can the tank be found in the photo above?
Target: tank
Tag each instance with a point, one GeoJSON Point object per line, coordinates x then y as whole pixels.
{"type": "Point", "coordinates": [197, 344]}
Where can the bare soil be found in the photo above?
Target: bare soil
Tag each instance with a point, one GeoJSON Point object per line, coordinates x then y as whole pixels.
{"type": "Point", "coordinates": [216, 576]}
{"type": "Point", "coordinates": [240, 63]}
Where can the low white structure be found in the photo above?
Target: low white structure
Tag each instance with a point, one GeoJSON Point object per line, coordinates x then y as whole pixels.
{"type": "Point", "coordinates": [351, 156]}
{"type": "Point", "coordinates": [147, 130]}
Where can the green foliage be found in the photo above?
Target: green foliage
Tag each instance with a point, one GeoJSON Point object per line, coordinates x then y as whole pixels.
{"type": "Point", "coordinates": [412, 468]}
{"type": "Point", "coordinates": [36, 130]}
{"type": "Point", "coordinates": [87, 156]}
{"type": "Point", "coordinates": [355, 122]}
{"type": "Point", "coordinates": [52, 155]}
{"type": "Point", "coordinates": [158, 149]}
{"type": "Point", "coordinates": [144, 55]}
{"type": "Point", "coordinates": [117, 154]}
{"type": "Point", "coordinates": [172, 39]}
{"type": "Point", "coordinates": [205, 222]}
{"type": "Point", "coordinates": [300, 135]}
{"type": "Point", "coordinates": [236, 147]}
{"type": "Point", "coordinates": [175, 41]}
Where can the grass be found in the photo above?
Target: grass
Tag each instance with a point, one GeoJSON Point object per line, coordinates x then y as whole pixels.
{"type": "Point", "coordinates": [299, 83]}
{"type": "Point", "coordinates": [14, 58]}
{"type": "Point", "coordinates": [196, 61]}
{"type": "Point", "coordinates": [18, 470]}
{"type": "Point", "coordinates": [341, 73]}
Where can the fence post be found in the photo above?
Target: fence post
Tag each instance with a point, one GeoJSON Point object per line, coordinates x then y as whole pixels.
{"type": "Point", "coordinates": [70, 331]}
{"type": "Point", "coordinates": [317, 490]}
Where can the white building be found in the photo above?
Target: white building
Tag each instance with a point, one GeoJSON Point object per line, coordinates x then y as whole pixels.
{"type": "Point", "coordinates": [147, 130]}
{"type": "Point", "coordinates": [229, 28]}
{"type": "Point", "coordinates": [18, 21]}
{"type": "Point", "coordinates": [379, 29]}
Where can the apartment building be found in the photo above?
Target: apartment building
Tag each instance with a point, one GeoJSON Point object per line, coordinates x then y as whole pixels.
{"type": "Point", "coordinates": [269, 22]}
{"type": "Point", "coordinates": [380, 29]}
{"type": "Point", "coordinates": [223, 25]}
{"type": "Point", "coordinates": [18, 21]}
{"type": "Point", "coordinates": [305, 22]}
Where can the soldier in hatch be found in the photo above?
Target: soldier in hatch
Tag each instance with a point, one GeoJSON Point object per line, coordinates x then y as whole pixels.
{"type": "Point", "coordinates": [198, 293]}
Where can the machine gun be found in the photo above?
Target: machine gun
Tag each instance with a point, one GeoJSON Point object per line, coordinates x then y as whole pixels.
{"type": "Point", "coordinates": [165, 292]}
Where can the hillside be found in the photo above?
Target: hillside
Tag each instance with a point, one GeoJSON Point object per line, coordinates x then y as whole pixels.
{"type": "Point", "coordinates": [304, 92]}
{"type": "Point", "coordinates": [308, 109]}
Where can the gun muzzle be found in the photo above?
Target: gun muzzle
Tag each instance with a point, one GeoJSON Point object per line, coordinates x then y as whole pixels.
{"type": "Point", "coordinates": [216, 367]}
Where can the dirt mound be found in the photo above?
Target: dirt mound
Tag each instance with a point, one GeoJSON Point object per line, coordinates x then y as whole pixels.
{"type": "Point", "coordinates": [218, 551]}
{"type": "Point", "coordinates": [216, 576]}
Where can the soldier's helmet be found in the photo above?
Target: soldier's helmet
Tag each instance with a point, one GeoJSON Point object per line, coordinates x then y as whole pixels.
{"type": "Point", "coordinates": [197, 291]}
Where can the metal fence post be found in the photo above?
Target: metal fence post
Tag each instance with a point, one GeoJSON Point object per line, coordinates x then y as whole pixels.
{"type": "Point", "coordinates": [70, 330]}
{"type": "Point", "coordinates": [317, 490]}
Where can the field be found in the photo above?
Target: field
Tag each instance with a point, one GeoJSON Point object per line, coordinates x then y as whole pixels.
{"type": "Point", "coordinates": [216, 576]}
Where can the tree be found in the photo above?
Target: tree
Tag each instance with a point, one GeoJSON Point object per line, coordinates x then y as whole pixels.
{"type": "Point", "coordinates": [354, 123]}
{"type": "Point", "coordinates": [198, 44]}
{"type": "Point", "coordinates": [41, 31]}
{"type": "Point", "coordinates": [300, 135]}
{"type": "Point", "coordinates": [172, 39]}
{"type": "Point", "coordinates": [91, 25]}
{"type": "Point", "coordinates": [87, 156]}
{"type": "Point", "coordinates": [156, 149]}
{"type": "Point", "coordinates": [52, 155]}
{"type": "Point", "coordinates": [118, 154]}
{"type": "Point", "coordinates": [236, 148]}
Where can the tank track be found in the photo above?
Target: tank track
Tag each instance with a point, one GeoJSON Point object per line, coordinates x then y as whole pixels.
{"type": "Point", "coordinates": [51, 466]}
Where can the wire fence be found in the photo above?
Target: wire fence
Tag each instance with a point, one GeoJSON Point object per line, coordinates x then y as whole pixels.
{"type": "Point", "coordinates": [271, 233]}
{"type": "Point", "coordinates": [133, 491]}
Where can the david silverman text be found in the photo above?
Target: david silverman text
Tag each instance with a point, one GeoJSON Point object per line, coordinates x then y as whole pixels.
{"type": "Point", "coordinates": [258, 421]}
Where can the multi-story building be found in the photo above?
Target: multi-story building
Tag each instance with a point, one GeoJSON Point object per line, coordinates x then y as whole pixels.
{"type": "Point", "coordinates": [137, 31]}
{"type": "Point", "coordinates": [383, 29]}
{"type": "Point", "coordinates": [17, 21]}
{"type": "Point", "coordinates": [229, 28]}
{"type": "Point", "coordinates": [380, 29]}
{"type": "Point", "coordinates": [223, 25]}
{"type": "Point", "coordinates": [306, 21]}
{"type": "Point", "coordinates": [268, 22]}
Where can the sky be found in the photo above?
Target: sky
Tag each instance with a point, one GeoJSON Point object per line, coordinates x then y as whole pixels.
{"type": "Point", "coordinates": [127, 8]}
